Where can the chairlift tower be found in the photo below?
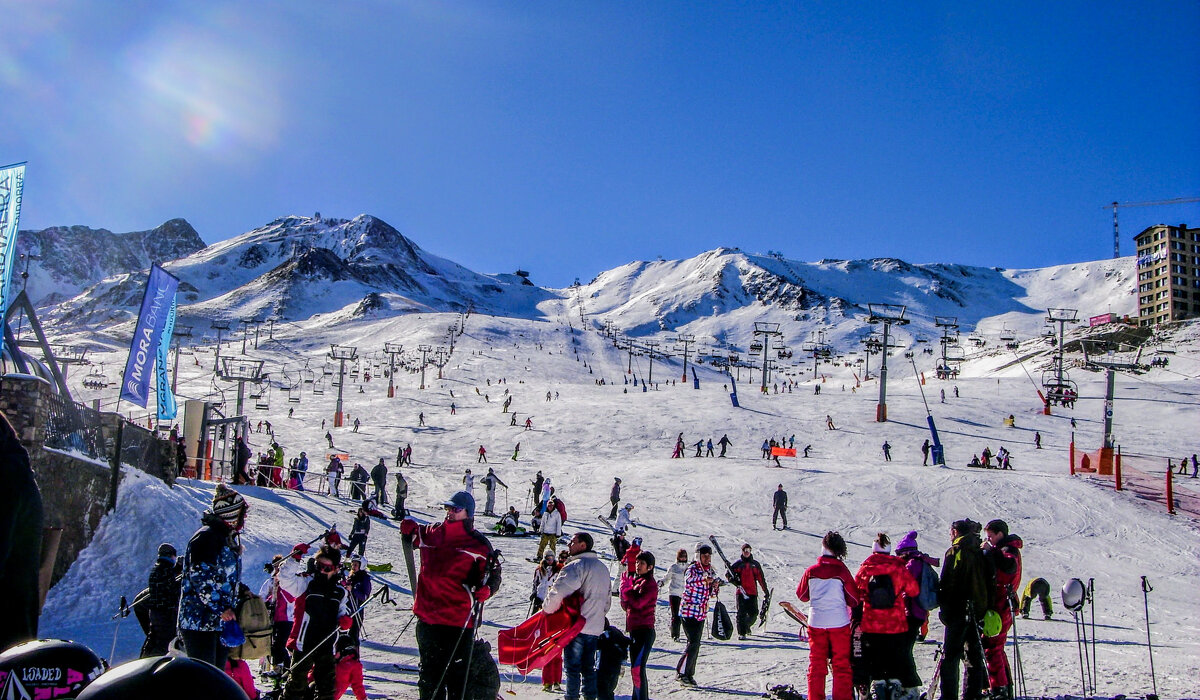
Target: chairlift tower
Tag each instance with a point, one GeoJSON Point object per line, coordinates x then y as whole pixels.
{"type": "Point", "coordinates": [1112, 357]}
{"type": "Point", "coordinates": [424, 350]}
{"type": "Point", "coordinates": [219, 327]}
{"type": "Point", "coordinates": [392, 350]}
{"type": "Point", "coordinates": [651, 349]}
{"type": "Point", "coordinates": [872, 346]}
{"type": "Point", "coordinates": [767, 331]}
{"type": "Point", "coordinates": [246, 324]}
{"type": "Point", "coordinates": [949, 328]}
{"type": "Point", "coordinates": [241, 370]}
{"type": "Point", "coordinates": [180, 333]}
{"type": "Point", "coordinates": [686, 340]}
{"type": "Point", "coordinates": [341, 353]}
{"type": "Point", "coordinates": [1056, 391]}
{"type": "Point", "coordinates": [440, 358]}
{"type": "Point", "coordinates": [887, 314]}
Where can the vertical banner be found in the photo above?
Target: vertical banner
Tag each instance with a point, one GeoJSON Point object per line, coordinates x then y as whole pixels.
{"type": "Point", "coordinates": [156, 306]}
{"type": "Point", "coordinates": [166, 398]}
{"type": "Point", "coordinates": [12, 181]}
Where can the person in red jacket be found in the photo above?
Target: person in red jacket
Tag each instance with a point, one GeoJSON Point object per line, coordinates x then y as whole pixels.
{"type": "Point", "coordinates": [459, 571]}
{"type": "Point", "coordinates": [883, 585]}
{"type": "Point", "coordinates": [639, 595]}
{"type": "Point", "coordinates": [829, 589]}
{"type": "Point", "coordinates": [747, 576]}
{"type": "Point", "coordinates": [1004, 551]}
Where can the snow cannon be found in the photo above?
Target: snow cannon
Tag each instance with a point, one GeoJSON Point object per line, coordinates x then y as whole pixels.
{"type": "Point", "coordinates": [176, 677]}
{"type": "Point", "coordinates": [48, 668]}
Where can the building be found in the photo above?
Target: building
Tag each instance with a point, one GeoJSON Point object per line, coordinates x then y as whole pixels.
{"type": "Point", "coordinates": [1168, 266]}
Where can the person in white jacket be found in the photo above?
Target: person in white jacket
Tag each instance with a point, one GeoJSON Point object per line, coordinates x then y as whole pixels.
{"type": "Point", "coordinates": [585, 573]}
{"type": "Point", "coordinates": [551, 529]}
{"type": "Point", "coordinates": [624, 519]}
{"type": "Point", "coordinates": [673, 583]}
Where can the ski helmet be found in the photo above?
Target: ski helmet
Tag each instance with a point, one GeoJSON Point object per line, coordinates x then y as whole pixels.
{"type": "Point", "coordinates": [992, 623]}
{"type": "Point", "coordinates": [628, 506]}
{"type": "Point", "coordinates": [1074, 593]}
{"type": "Point", "coordinates": [47, 668]}
{"type": "Point", "coordinates": [177, 677]}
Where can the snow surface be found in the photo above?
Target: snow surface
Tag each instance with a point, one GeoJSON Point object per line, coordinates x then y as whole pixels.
{"type": "Point", "coordinates": [1072, 526]}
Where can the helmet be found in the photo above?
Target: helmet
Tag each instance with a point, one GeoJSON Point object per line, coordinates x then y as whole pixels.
{"type": "Point", "coordinates": [177, 677]}
{"type": "Point", "coordinates": [47, 667]}
{"type": "Point", "coordinates": [1074, 594]}
{"type": "Point", "coordinates": [992, 623]}
{"type": "Point", "coordinates": [628, 506]}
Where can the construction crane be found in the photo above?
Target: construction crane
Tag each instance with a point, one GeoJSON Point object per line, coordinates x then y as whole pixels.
{"type": "Point", "coordinates": [1116, 205]}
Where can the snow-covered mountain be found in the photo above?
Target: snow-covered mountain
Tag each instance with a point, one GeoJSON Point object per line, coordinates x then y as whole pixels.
{"type": "Point", "coordinates": [74, 258]}
{"type": "Point", "coordinates": [298, 268]}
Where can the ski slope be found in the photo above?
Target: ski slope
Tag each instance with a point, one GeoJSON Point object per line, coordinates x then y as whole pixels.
{"type": "Point", "coordinates": [1072, 526]}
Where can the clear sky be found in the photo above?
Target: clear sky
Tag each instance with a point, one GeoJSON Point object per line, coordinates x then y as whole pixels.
{"type": "Point", "coordinates": [571, 137]}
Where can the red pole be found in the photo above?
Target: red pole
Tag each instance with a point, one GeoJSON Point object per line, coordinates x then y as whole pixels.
{"type": "Point", "coordinates": [1170, 492]}
{"type": "Point", "coordinates": [1117, 468]}
{"type": "Point", "coordinates": [1072, 454]}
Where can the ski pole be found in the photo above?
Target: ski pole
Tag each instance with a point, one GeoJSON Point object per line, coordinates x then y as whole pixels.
{"type": "Point", "coordinates": [1146, 588]}
{"type": "Point", "coordinates": [384, 596]}
{"type": "Point", "coordinates": [1092, 602]}
{"type": "Point", "coordinates": [122, 613]}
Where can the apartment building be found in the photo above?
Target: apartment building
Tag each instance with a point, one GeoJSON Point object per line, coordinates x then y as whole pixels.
{"type": "Point", "coordinates": [1168, 267]}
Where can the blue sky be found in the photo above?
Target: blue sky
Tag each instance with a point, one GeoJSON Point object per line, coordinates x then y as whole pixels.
{"type": "Point", "coordinates": [569, 138]}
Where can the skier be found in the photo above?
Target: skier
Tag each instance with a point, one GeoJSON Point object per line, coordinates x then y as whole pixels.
{"type": "Point", "coordinates": [943, 395]}
{"type": "Point", "coordinates": [887, 451]}
{"type": "Point", "coordinates": [766, 449]}
{"type": "Point", "coordinates": [356, 424]}
{"type": "Point", "coordinates": [162, 603]}
{"type": "Point", "coordinates": [586, 576]}
{"type": "Point", "coordinates": [513, 419]}
{"type": "Point", "coordinates": [379, 479]}
{"type": "Point", "coordinates": [678, 453]}
{"type": "Point", "coordinates": [536, 490]}
{"type": "Point", "coordinates": [829, 422]}
{"type": "Point", "coordinates": [516, 452]}
{"type": "Point", "coordinates": [421, 419]}
{"type": "Point", "coordinates": [490, 480]}
{"type": "Point", "coordinates": [673, 582]}
{"type": "Point", "coordinates": [1037, 588]}
{"type": "Point", "coordinates": [956, 391]}
{"type": "Point", "coordinates": [614, 496]}
{"type": "Point", "coordinates": [779, 503]}
{"type": "Point", "coordinates": [1037, 440]}
{"type": "Point", "coordinates": [542, 575]}
{"type": "Point", "coordinates": [359, 531]}
{"type": "Point", "coordinates": [212, 573]}
{"type": "Point", "coordinates": [551, 528]}
{"type": "Point", "coordinates": [459, 572]}
{"type": "Point", "coordinates": [529, 423]}
{"type": "Point", "coordinates": [301, 470]}
{"type": "Point", "coordinates": [329, 439]}
{"type": "Point", "coordinates": [831, 592]}
{"type": "Point", "coordinates": [468, 481]}
{"type": "Point", "coordinates": [883, 585]}
{"type": "Point", "coordinates": [747, 574]}
{"type": "Point", "coordinates": [925, 453]}
{"type": "Point", "coordinates": [807, 448]}
{"type": "Point", "coordinates": [724, 443]}
{"type": "Point", "coordinates": [358, 482]}
{"type": "Point", "coordinates": [639, 596]}
{"type": "Point", "coordinates": [963, 595]}
{"type": "Point", "coordinates": [624, 519]}
{"type": "Point", "coordinates": [1003, 550]}
{"type": "Point", "coordinates": [700, 584]}
{"type": "Point", "coordinates": [482, 455]}
{"type": "Point", "coordinates": [333, 473]}
{"type": "Point", "coordinates": [319, 614]}
{"type": "Point", "coordinates": [453, 410]}
{"type": "Point", "coordinates": [699, 448]}
{"type": "Point", "coordinates": [709, 448]}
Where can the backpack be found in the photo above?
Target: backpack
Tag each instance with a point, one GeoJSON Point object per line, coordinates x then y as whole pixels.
{"type": "Point", "coordinates": [928, 597]}
{"type": "Point", "coordinates": [254, 617]}
{"type": "Point", "coordinates": [881, 594]}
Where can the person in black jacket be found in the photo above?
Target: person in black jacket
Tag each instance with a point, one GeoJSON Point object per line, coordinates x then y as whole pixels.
{"type": "Point", "coordinates": [20, 541]}
{"type": "Point", "coordinates": [379, 479]}
{"type": "Point", "coordinates": [614, 496]}
{"type": "Point", "coordinates": [162, 601]}
{"type": "Point", "coordinates": [359, 532]}
{"type": "Point", "coordinates": [747, 575]}
{"type": "Point", "coordinates": [963, 595]}
{"type": "Point", "coordinates": [241, 459]}
{"type": "Point", "coordinates": [780, 502]}
{"type": "Point", "coordinates": [358, 482]}
{"type": "Point", "coordinates": [322, 613]}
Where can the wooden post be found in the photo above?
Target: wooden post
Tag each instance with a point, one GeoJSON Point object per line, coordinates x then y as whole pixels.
{"type": "Point", "coordinates": [1072, 452]}
{"type": "Point", "coordinates": [1170, 491]}
{"type": "Point", "coordinates": [1117, 468]}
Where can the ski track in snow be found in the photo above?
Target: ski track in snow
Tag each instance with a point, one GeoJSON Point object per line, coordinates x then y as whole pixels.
{"type": "Point", "coordinates": [1071, 526]}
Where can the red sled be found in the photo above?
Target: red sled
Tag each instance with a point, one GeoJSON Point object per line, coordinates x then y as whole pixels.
{"type": "Point", "coordinates": [540, 639]}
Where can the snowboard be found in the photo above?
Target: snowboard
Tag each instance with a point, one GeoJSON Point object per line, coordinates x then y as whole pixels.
{"type": "Point", "coordinates": [380, 568]}
{"type": "Point", "coordinates": [766, 606]}
{"type": "Point", "coordinates": [728, 567]}
{"type": "Point", "coordinates": [410, 564]}
{"type": "Point", "coordinates": [797, 615]}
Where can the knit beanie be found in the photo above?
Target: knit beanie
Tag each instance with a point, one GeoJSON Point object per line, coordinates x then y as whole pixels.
{"type": "Point", "coordinates": [907, 543]}
{"type": "Point", "coordinates": [228, 505]}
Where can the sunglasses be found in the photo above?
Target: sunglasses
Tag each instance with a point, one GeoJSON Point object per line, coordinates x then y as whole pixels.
{"type": "Point", "coordinates": [327, 568]}
{"type": "Point", "coordinates": [452, 509]}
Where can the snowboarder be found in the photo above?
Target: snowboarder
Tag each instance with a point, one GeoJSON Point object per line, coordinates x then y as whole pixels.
{"type": "Point", "coordinates": [725, 444]}
{"type": "Point", "coordinates": [490, 480]}
{"type": "Point", "coordinates": [516, 452]}
{"type": "Point", "coordinates": [529, 423]}
{"type": "Point", "coordinates": [747, 575]}
{"type": "Point", "coordinates": [779, 502]}
{"type": "Point", "coordinates": [887, 451]}
{"type": "Point", "coordinates": [700, 584]}
{"type": "Point", "coordinates": [614, 497]}
{"type": "Point", "coordinates": [829, 422]}
{"type": "Point", "coordinates": [831, 592]}
{"type": "Point", "coordinates": [925, 453]}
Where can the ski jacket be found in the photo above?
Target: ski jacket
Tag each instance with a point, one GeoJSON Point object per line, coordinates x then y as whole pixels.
{"type": "Point", "coordinates": [674, 580]}
{"type": "Point", "coordinates": [244, 453]}
{"type": "Point", "coordinates": [699, 584]}
{"type": "Point", "coordinates": [302, 465]}
{"type": "Point", "coordinates": [586, 574]}
{"type": "Point", "coordinates": [292, 577]}
{"type": "Point", "coordinates": [1005, 559]}
{"type": "Point", "coordinates": [278, 456]}
{"type": "Point", "coordinates": [915, 562]}
{"type": "Point", "coordinates": [362, 526]}
{"type": "Point", "coordinates": [401, 488]}
{"type": "Point", "coordinates": [360, 586]}
{"type": "Point", "coordinates": [624, 521]}
{"type": "Point", "coordinates": [639, 595]}
{"type": "Point", "coordinates": [780, 499]}
{"type": "Point", "coordinates": [320, 612]}
{"type": "Point", "coordinates": [541, 581]}
{"type": "Point", "coordinates": [164, 586]}
{"type": "Point", "coordinates": [893, 620]}
{"type": "Point", "coordinates": [748, 575]}
{"type": "Point", "coordinates": [965, 576]}
{"type": "Point", "coordinates": [212, 571]}
{"type": "Point", "coordinates": [454, 559]}
{"type": "Point", "coordinates": [379, 473]}
{"type": "Point", "coordinates": [359, 475]}
{"type": "Point", "coordinates": [830, 591]}
{"type": "Point", "coordinates": [552, 523]}
{"type": "Point", "coordinates": [615, 494]}
{"type": "Point", "coordinates": [335, 466]}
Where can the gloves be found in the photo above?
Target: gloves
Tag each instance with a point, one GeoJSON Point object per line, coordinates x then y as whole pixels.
{"type": "Point", "coordinates": [482, 594]}
{"type": "Point", "coordinates": [408, 526]}
{"type": "Point", "coordinates": [290, 644]}
{"type": "Point", "coordinates": [345, 622]}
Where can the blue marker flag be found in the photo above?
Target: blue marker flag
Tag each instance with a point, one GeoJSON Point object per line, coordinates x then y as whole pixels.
{"type": "Point", "coordinates": [166, 397]}
{"type": "Point", "coordinates": [12, 181]}
{"type": "Point", "coordinates": [156, 307]}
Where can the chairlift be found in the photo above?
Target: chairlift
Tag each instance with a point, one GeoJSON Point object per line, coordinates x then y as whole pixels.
{"type": "Point", "coordinates": [95, 378]}
{"type": "Point", "coordinates": [327, 369]}
{"type": "Point", "coordinates": [294, 392]}
{"type": "Point", "coordinates": [755, 347]}
{"type": "Point", "coordinates": [318, 387]}
{"type": "Point", "coordinates": [308, 375]}
{"type": "Point", "coordinates": [1007, 335]}
{"type": "Point", "coordinates": [977, 340]}
{"type": "Point", "coordinates": [263, 401]}
{"type": "Point", "coordinates": [1059, 391]}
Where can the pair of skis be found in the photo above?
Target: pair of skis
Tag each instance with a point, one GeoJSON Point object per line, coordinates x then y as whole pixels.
{"type": "Point", "coordinates": [766, 604]}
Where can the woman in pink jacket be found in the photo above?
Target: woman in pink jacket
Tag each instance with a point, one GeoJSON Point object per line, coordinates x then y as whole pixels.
{"type": "Point", "coordinates": [830, 591]}
{"type": "Point", "coordinates": [639, 595]}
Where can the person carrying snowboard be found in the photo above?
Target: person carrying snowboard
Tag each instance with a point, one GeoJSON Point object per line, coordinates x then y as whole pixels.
{"type": "Point", "coordinates": [747, 574]}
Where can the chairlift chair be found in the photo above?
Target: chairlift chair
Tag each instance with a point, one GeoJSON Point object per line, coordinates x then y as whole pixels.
{"type": "Point", "coordinates": [263, 401]}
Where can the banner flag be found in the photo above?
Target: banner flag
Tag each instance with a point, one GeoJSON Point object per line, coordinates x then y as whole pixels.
{"type": "Point", "coordinates": [166, 398]}
{"type": "Point", "coordinates": [156, 306]}
{"type": "Point", "coordinates": [783, 452]}
{"type": "Point", "coordinates": [12, 182]}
